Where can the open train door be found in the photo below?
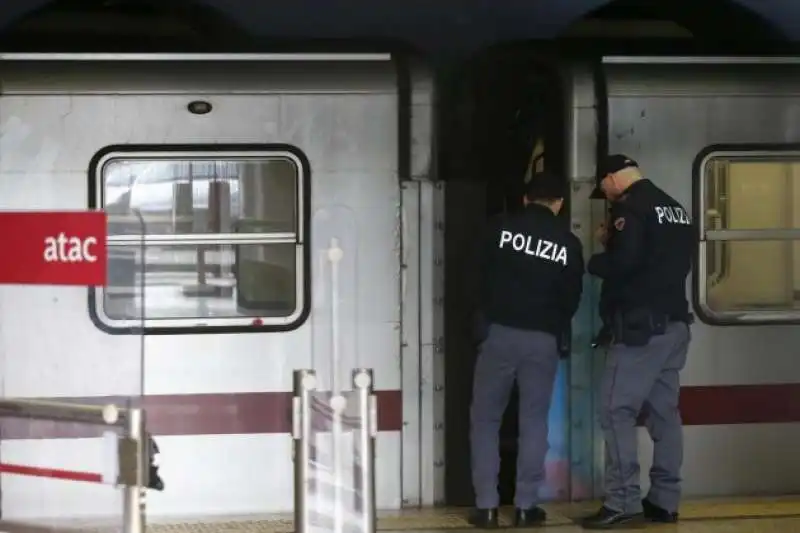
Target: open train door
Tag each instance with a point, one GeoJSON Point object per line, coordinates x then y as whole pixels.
{"type": "Point", "coordinates": [504, 123]}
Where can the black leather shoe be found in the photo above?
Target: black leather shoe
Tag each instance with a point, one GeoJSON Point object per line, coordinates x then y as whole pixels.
{"type": "Point", "coordinates": [654, 513]}
{"type": "Point", "coordinates": [532, 517]}
{"type": "Point", "coordinates": [607, 518]}
{"type": "Point", "coordinates": [483, 518]}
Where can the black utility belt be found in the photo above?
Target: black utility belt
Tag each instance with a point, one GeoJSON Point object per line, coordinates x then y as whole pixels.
{"type": "Point", "coordinates": [635, 327]}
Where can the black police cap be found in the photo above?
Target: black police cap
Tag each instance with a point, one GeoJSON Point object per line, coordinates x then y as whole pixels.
{"type": "Point", "coordinates": [546, 186]}
{"type": "Point", "coordinates": [611, 164]}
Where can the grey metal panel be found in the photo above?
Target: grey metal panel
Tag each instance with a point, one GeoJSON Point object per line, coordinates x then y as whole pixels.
{"type": "Point", "coordinates": [717, 461]}
{"type": "Point", "coordinates": [586, 451]}
{"type": "Point", "coordinates": [422, 118]}
{"type": "Point", "coordinates": [432, 342]}
{"type": "Point", "coordinates": [422, 82]}
{"type": "Point", "coordinates": [699, 80]}
{"type": "Point", "coordinates": [583, 128]}
{"type": "Point", "coordinates": [196, 77]}
{"type": "Point", "coordinates": [410, 343]}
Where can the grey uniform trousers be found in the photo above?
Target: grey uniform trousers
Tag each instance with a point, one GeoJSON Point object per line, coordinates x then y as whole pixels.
{"type": "Point", "coordinates": [530, 357]}
{"type": "Point", "coordinates": [644, 379]}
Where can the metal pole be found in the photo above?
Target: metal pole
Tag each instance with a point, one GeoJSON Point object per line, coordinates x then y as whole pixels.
{"type": "Point", "coordinates": [97, 415]}
{"type": "Point", "coordinates": [368, 428]}
{"type": "Point", "coordinates": [305, 381]}
{"type": "Point", "coordinates": [134, 498]}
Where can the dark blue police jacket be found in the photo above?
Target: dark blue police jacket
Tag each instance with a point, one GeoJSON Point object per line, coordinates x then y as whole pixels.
{"type": "Point", "coordinates": [429, 25]}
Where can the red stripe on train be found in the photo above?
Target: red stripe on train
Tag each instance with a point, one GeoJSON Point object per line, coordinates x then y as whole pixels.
{"type": "Point", "coordinates": [740, 404]}
{"type": "Point", "coordinates": [270, 412]}
{"type": "Point", "coordinates": [201, 414]}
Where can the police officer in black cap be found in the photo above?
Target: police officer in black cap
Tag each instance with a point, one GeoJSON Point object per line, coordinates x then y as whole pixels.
{"type": "Point", "coordinates": [647, 260]}
{"type": "Point", "coordinates": [531, 287]}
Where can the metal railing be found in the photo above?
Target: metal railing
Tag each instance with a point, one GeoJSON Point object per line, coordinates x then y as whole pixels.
{"type": "Point", "coordinates": [327, 496]}
{"type": "Point", "coordinates": [128, 453]}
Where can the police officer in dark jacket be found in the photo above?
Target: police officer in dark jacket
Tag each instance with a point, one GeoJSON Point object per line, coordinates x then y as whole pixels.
{"type": "Point", "coordinates": [531, 287]}
{"type": "Point", "coordinates": [647, 262]}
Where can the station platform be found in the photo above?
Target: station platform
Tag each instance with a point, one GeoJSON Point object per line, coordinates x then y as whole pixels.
{"type": "Point", "coordinates": [757, 515]}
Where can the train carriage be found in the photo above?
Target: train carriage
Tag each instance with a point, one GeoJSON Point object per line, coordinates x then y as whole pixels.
{"type": "Point", "coordinates": [243, 167]}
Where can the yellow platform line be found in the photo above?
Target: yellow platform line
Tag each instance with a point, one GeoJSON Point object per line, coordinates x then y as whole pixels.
{"type": "Point", "coordinates": [709, 509]}
{"type": "Point", "coordinates": [558, 515]}
{"type": "Point", "coordinates": [440, 518]}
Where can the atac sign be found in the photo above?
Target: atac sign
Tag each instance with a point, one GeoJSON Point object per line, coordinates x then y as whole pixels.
{"type": "Point", "coordinates": [54, 248]}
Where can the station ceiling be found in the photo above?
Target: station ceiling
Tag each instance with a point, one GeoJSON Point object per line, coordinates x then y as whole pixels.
{"type": "Point", "coordinates": [430, 22]}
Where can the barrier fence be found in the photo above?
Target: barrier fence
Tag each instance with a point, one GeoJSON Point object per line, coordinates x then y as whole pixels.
{"type": "Point", "coordinates": [334, 421]}
{"type": "Point", "coordinates": [334, 455]}
{"type": "Point", "coordinates": [64, 250]}
{"type": "Point", "coordinates": [335, 416]}
{"type": "Point", "coordinates": [126, 462]}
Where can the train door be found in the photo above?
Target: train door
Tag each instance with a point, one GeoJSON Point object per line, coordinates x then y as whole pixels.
{"type": "Point", "coordinates": [510, 126]}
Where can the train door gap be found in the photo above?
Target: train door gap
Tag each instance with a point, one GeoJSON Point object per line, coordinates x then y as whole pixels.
{"type": "Point", "coordinates": [504, 118]}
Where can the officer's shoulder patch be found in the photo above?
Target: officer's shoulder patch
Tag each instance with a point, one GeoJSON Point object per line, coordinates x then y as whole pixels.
{"type": "Point", "coordinates": [619, 223]}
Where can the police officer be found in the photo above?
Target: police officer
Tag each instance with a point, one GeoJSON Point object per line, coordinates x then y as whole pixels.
{"type": "Point", "coordinates": [647, 262]}
{"type": "Point", "coordinates": [531, 287]}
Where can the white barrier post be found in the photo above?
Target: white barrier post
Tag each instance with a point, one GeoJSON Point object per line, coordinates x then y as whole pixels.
{"type": "Point", "coordinates": [134, 497]}
{"type": "Point", "coordinates": [126, 458]}
{"type": "Point", "coordinates": [305, 382]}
{"type": "Point", "coordinates": [367, 431]}
{"type": "Point", "coordinates": [334, 455]}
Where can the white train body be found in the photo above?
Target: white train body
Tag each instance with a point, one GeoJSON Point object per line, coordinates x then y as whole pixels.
{"type": "Point", "coordinates": [678, 117]}
{"type": "Point", "coordinates": [57, 116]}
{"type": "Point", "coordinates": [358, 133]}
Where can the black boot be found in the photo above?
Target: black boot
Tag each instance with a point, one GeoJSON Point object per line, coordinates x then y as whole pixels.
{"type": "Point", "coordinates": [154, 481]}
{"type": "Point", "coordinates": [531, 517]}
{"type": "Point", "coordinates": [483, 518]}
{"type": "Point", "coordinates": [654, 513]}
{"type": "Point", "coordinates": [607, 518]}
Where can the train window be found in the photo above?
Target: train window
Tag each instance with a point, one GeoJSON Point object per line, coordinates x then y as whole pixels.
{"type": "Point", "coordinates": [202, 239]}
{"type": "Point", "coordinates": [749, 260]}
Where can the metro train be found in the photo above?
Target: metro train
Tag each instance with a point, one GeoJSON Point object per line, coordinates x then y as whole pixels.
{"type": "Point", "coordinates": [234, 290]}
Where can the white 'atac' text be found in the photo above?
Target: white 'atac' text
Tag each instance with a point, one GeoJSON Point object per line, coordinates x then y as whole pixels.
{"type": "Point", "coordinates": [63, 249]}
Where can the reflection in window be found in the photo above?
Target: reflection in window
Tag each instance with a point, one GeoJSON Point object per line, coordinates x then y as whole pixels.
{"type": "Point", "coordinates": [183, 281]}
{"type": "Point", "coordinates": [753, 283]}
{"type": "Point", "coordinates": [179, 196]}
{"type": "Point", "coordinates": [202, 240]}
{"type": "Point", "coordinates": [750, 246]}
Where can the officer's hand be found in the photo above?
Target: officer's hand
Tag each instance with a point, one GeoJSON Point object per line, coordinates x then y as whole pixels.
{"type": "Point", "coordinates": [601, 233]}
